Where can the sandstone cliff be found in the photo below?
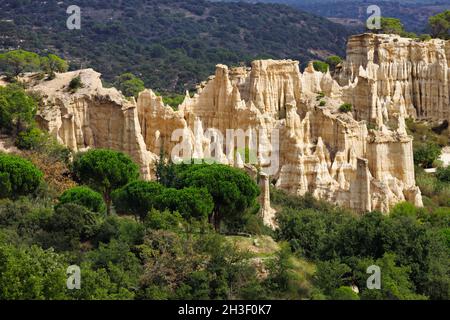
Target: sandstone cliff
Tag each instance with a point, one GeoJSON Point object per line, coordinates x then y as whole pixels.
{"type": "Point", "coordinates": [272, 115]}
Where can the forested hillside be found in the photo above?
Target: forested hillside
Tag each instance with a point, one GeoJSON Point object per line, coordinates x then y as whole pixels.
{"type": "Point", "coordinates": [413, 13]}
{"type": "Point", "coordinates": [170, 44]}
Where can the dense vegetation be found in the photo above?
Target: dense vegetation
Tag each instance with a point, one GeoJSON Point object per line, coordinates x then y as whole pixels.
{"type": "Point", "coordinates": [171, 45]}
{"type": "Point", "coordinates": [413, 13]}
{"type": "Point", "coordinates": [168, 239]}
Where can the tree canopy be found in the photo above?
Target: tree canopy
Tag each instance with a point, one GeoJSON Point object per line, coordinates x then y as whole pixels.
{"type": "Point", "coordinates": [440, 25]}
{"type": "Point", "coordinates": [84, 196]}
{"type": "Point", "coordinates": [18, 176]}
{"type": "Point", "coordinates": [233, 191]}
{"type": "Point", "coordinates": [105, 171]}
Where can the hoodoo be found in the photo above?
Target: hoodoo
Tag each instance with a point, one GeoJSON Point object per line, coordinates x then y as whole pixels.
{"type": "Point", "coordinates": [360, 158]}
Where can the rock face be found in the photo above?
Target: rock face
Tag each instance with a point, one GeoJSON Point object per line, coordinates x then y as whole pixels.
{"type": "Point", "coordinates": [92, 117]}
{"type": "Point", "coordinates": [279, 120]}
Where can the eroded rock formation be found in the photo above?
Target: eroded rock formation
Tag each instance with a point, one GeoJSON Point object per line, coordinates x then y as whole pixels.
{"type": "Point", "coordinates": [287, 123]}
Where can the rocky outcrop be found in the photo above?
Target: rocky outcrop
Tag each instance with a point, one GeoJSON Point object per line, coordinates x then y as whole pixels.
{"type": "Point", "coordinates": [273, 119]}
{"type": "Point", "coordinates": [92, 117]}
{"type": "Point", "coordinates": [394, 75]}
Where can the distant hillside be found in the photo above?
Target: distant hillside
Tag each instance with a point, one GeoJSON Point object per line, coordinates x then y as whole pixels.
{"type": "Point", "coordinates": [171, 44]}
{"type": "Point", "coordinates": [413, 13]}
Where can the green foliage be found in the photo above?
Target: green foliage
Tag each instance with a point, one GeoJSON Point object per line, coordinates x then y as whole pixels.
{"type": "Point", "coordinates": [31, 274]}
{"type": "Point", "coordinates": [75, 84]}
{"type": "Point", "coordinates": [440, 25]}
{"type": "Point", "coordinates": [129, 84]}
{"type": "Point", "coordinates": [17, 109]}
{"type": "Point", "coordinates": [172, 45]}
{"type": "Point", "coordinates": [331, 275]}
{"type": "Point", "coordinates": [191, 203]}
{"type": "Point", "coordinates": [173, 100]}
{"type": "Point", "coordinates": [30, 139]}
{"type": "Point", "coordinates": [414, 235]}
{"type": "Point", "coordinates": [68, 226]}
{"type": "Point", "coordinates": [333, 61]}
{"type": "Point", "coordinates": [443, 174]}
{"type": "Point", "coordinates": [85, 197]}
{"type": "Point", "coordinates": [346, 107]}
{"type": "Point", "coordinates": [392, 26]}
{"type": "Point", "coordinates": [137, 198]}
{"type": "Point", "coordinates": [395, 282]}
{"type": "Point", "coordinates": [17, 62]}
{"type": "Point", "coordinates": [232, 190]}
{"type": "Point", "coordinates": [18, 176]}
{"type": "Point", "coordinates": [322, 103]}
{"type": "Point", "coordinates": [52, 63]}
{"type": "Point", "coordinates": [105, 171]}
{"type": "Point", "coordinates": [344, 293]}
{"type": "Point", "coordinates": [426, 154]}
{"type": "Point", "coordinates": [163, 220]}
{"type": "Point", "coordinates": [321, 66]}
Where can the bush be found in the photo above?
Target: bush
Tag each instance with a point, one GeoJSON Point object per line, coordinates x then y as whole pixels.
{"type": "Point", "coordinates": [443, 174]}
{"type": "Point", "coordinates": [346, 107]}
{"type": "Point", "coordinates": [31, 139]}
{"type": "Point", "coordinates": [18, 176]}
{"type": "Point", "coordinates": [322, 103]}
{"type": "Point", "coordinates": [75, 84]}
{"type": "Point", "coordinates": [129, 84]}
{"type": "Point", "coordinates": [321, 66]}
{"type": "Point", "coordinates": [85, 197]}
{"type": "Point", "coordinates": [17, 109]}
{"type": "Point", "coordinates": [425, 154]}
{"type": "Point", "coordinates": [333, 61]}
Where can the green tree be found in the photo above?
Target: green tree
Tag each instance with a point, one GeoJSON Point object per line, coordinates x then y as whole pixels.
{"type": "Point", "coordinates": [31, 273]}
{"type": "Point", "coordinates": [443, 174]}
{"type": "Point", "coordinates": [86, 197]}
{"type": "Point", "coordinates": [333, 61]}
{"type": "Point", "coordinates": [344, 293]}
{"type": "Point", "coordinates": [18, 61]}
{"type": "Point", "coordinates": [105, 171]}
{"type": "Point", "coordinates": [18, 177]}
{"type": "Point", "coordinates": [426, 154]}
{"type": "Point", "coordinates": [189, 202]}
{"type": "Point", "coordinates": [17, 109]}
{"type": "Point", "coordinates": [392, 26]}
{"type": "Point", "coordinates": [68, 226]}
{"type": "Point", "coordinates": [233, 191]}
{"type": "Point", "coordinates": [440, 25]}
{"type": "Point", "coordinates": [395, 282]}
{"type": "Point", "coordinates": [137, 198]}
{"type": "Point", "coordinates": [321, 66]}
{"type": "Point", "coordinates": [129, 84]}
{"type": "Point", "coordinates": [331, 275]}
{"type": "Point", "coordinates": [52, 63]}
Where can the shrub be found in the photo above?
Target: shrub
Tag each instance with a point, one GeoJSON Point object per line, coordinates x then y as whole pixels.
{"type": "Point", "coordinates": [426, 153]}
{"type": "Point", "coordinates": [322, 103]}
{"type": "Point", "coordinates": [84, 196]}
{"type": "Point", "coordinates": [443, 174]}
{"type": "Point", "coordinates": [321, 66]}
{"type": "Point", "coordinates": [18, 176]}
{"type": "Point", "coordinates": [333, 61]}
{"type": "Point", "coordinates": [75, 84]}
{"type": "Point", "coordinates": [31, 139]}
{"type": "Point", "coordinates": [346, 107]}
{"type": "Point", "coordinates": [129, 84]}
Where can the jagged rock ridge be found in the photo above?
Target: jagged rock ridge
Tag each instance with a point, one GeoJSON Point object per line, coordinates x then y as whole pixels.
{"type": "Point", "coordinates": [361, 160]}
